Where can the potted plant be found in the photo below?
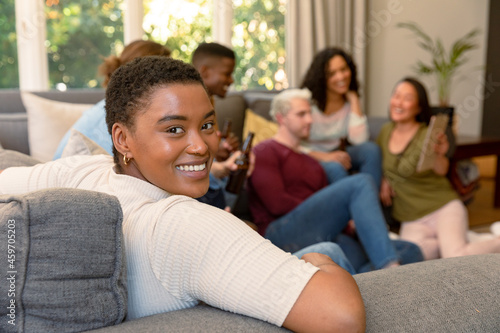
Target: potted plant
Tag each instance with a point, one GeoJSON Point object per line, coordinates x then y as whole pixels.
{"type": "Point", "coordinates": [443, 64]}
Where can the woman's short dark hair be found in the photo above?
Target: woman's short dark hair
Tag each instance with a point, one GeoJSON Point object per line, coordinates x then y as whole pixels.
{"type": "Point", "coordinates": [425, 114]}
{"type": "Point", "coordinates": [315, 78]}
{"type": "Point", "coordinates": [131, 86]}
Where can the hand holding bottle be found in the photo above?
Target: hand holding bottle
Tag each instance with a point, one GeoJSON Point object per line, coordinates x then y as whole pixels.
{"type": "Point", "coordinates": [238, 176]}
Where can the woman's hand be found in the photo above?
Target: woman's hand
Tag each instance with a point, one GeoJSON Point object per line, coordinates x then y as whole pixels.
{"type": "Point", "coordinates": [319, 260]}
{"type": "Point", "coordinates": [338, 156]}
{"type": "Point", "coordinates": [386, 193]}
{"type": "Point", "coordinates": [441, 146]}
{"type": "Point", "coordinates": [341, 157]}
{"type": "Point", "coordinates": [353, 99]}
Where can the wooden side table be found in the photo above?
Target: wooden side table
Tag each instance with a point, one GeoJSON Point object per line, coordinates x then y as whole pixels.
{"type": "Point", "coordinates": [469, 146]}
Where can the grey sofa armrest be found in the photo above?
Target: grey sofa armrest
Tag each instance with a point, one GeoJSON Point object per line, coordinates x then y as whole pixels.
{"type": "Point", "coordinates": [446, 295]}
{"type": "Point", "coordinates": [66, 269]}
{"type": "Point", "coordinates": [201, 318]}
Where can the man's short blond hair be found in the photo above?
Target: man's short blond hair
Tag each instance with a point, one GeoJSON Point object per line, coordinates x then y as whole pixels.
{"type": "Point", "coordinates": [281, 103]}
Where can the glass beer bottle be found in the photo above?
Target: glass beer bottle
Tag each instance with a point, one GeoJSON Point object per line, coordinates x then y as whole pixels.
{"type": "Point", "coordinates": [237, 177]}
{"type": "Point", "coordinates": [226, 128]}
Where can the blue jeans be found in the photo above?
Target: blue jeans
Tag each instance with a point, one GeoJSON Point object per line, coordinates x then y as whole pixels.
{"type": "Point", "coordinates": [407, 252]}
{"type": "Point", "coordinates": [324, 215]}
{"type": "Point", "coordinates": [365, 158]}
{"type": "Point", "coordinates": [330, 249]}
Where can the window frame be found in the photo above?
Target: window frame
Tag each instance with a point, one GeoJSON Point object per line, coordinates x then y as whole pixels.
{"type": "Point", "coordinates": [31, 34]}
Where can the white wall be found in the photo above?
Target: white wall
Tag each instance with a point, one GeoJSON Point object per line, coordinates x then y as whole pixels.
{"type": "Point", "coordinates": [392, 51]}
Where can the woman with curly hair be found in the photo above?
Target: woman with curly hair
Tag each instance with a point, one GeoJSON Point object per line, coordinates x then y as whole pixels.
{"type": "Point", "coordinates": [338, 118]}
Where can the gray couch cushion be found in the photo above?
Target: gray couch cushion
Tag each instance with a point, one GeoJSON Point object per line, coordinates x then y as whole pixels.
{"type": "Point", "coordinates": [14, 131]}
{"type": "Point", "coordinates": [232, 107]}
{"type": "Point", "coordinates": [446, 295]}
{"type": "Point", "coordinates": [201, 318]}
{"type": "Point", "coordinates": [67, 269]}
{"type": "Point", "coordinates": [13, 117]}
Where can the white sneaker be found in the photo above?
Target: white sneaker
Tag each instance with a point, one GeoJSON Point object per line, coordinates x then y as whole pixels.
{"type": "Point", "coordinates": [495, 228]}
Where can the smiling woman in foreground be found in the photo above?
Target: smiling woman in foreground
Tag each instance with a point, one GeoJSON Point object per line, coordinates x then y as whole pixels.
{"type": "Point", "coordinates": [180, 251]}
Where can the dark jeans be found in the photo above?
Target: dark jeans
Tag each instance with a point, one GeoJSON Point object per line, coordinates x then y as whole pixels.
{"type": "Point", "coordinates": [324, 215]}
{"type": "Point", "coordinates": [407, 252]}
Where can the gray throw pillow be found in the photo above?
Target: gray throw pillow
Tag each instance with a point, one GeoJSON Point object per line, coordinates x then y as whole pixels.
{"type": "Point", "coordinates": [79, 144]}
{"type": "Point", "coordinates": [12, 158]}
{"type": "Point", "coordinates": [63, 262]}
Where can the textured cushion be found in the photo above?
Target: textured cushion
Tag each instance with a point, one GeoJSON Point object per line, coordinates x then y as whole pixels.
{"type": "Point", "coordinates": [262, 128]}
{"type": "Point", "coordinates": [93, 125]}
{"type": "Point", "coordinates": [48, 121]}
{"type": "Point", "coordinates": [68, 274]}
{"type": "Point", "coordinates": [445, 295]}
{"type": "Point", "coordinates": [79, 144]}
{"type": "Point", "coordinates": [11, 158]}
{"type": "Point", "coordinates": [201, 318]}
{"type": "Point", "coordinates": [13, 132]}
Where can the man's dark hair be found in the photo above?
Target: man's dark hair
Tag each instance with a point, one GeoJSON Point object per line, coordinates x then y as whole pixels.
{"type": "Point", "coordinates": [315, 78]}
{"type": "Point", "coordinates": [211, 50]}
{"type": "Point", "coordinates": [131, 86]}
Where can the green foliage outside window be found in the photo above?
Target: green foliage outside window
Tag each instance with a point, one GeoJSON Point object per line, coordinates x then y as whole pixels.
{"type": "Point", "coordinates": [258, 36]}
{"type": "Point", "coordinates": [79, 34]}
{"type": "Point", "coordinates": [179, 24]}
{"type": "Point", "coordinates": [259, 43]}
{"type": "Point", "coordinates": [8, 44]}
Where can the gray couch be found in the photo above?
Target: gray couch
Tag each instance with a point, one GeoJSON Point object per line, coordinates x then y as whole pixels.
{"type": "Point", "coordinates": [447, 295]}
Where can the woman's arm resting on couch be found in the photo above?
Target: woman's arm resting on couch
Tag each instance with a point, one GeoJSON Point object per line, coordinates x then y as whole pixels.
{"type": "Point", "coordinates": [330, 302]}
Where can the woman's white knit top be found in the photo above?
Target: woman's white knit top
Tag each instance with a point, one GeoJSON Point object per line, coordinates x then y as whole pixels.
{"type": "Point", "coordinates": [179, 251]}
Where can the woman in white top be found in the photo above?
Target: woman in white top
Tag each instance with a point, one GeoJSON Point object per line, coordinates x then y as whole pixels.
{"type": "Point", "coordinates": [337, 116]}
{"type": "Point", "coordinates": [180, 251]}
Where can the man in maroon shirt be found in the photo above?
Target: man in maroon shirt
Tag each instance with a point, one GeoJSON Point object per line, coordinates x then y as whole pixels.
{"type": "Point", "coordinates": [291, 201]}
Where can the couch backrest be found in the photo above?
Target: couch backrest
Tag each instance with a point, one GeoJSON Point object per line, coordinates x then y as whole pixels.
{"type": "Point", "coordinates": [13, 117]}
{"type": "Point", "coordinates": [235, 104]}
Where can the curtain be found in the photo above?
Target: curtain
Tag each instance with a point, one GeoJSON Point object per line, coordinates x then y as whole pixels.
{"type": "Point", "coordinates": [312, 25]}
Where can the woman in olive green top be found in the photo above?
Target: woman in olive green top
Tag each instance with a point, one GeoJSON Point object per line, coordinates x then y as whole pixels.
{"type": "Point", "coordinates": [430, 211]}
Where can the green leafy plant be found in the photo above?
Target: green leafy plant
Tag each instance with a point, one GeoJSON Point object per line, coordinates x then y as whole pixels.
{"type": "Point", "coordinates": [443, 65]}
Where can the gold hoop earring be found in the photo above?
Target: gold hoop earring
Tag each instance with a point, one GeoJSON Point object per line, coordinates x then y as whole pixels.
{"type": "Point", "coordinates": [125, 159]}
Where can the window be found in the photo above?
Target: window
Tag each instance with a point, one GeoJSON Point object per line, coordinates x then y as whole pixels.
{"type": "Point", "coordinates": [8, 44]}
{"type": "Point", "coordinates": [258, 36]}
{"type": "Point", "coordinates": [259, 43]}
{"type": "Point", "coordinates": [179, 24]}
{"type": "Point", "coordinates": [79, 34]}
